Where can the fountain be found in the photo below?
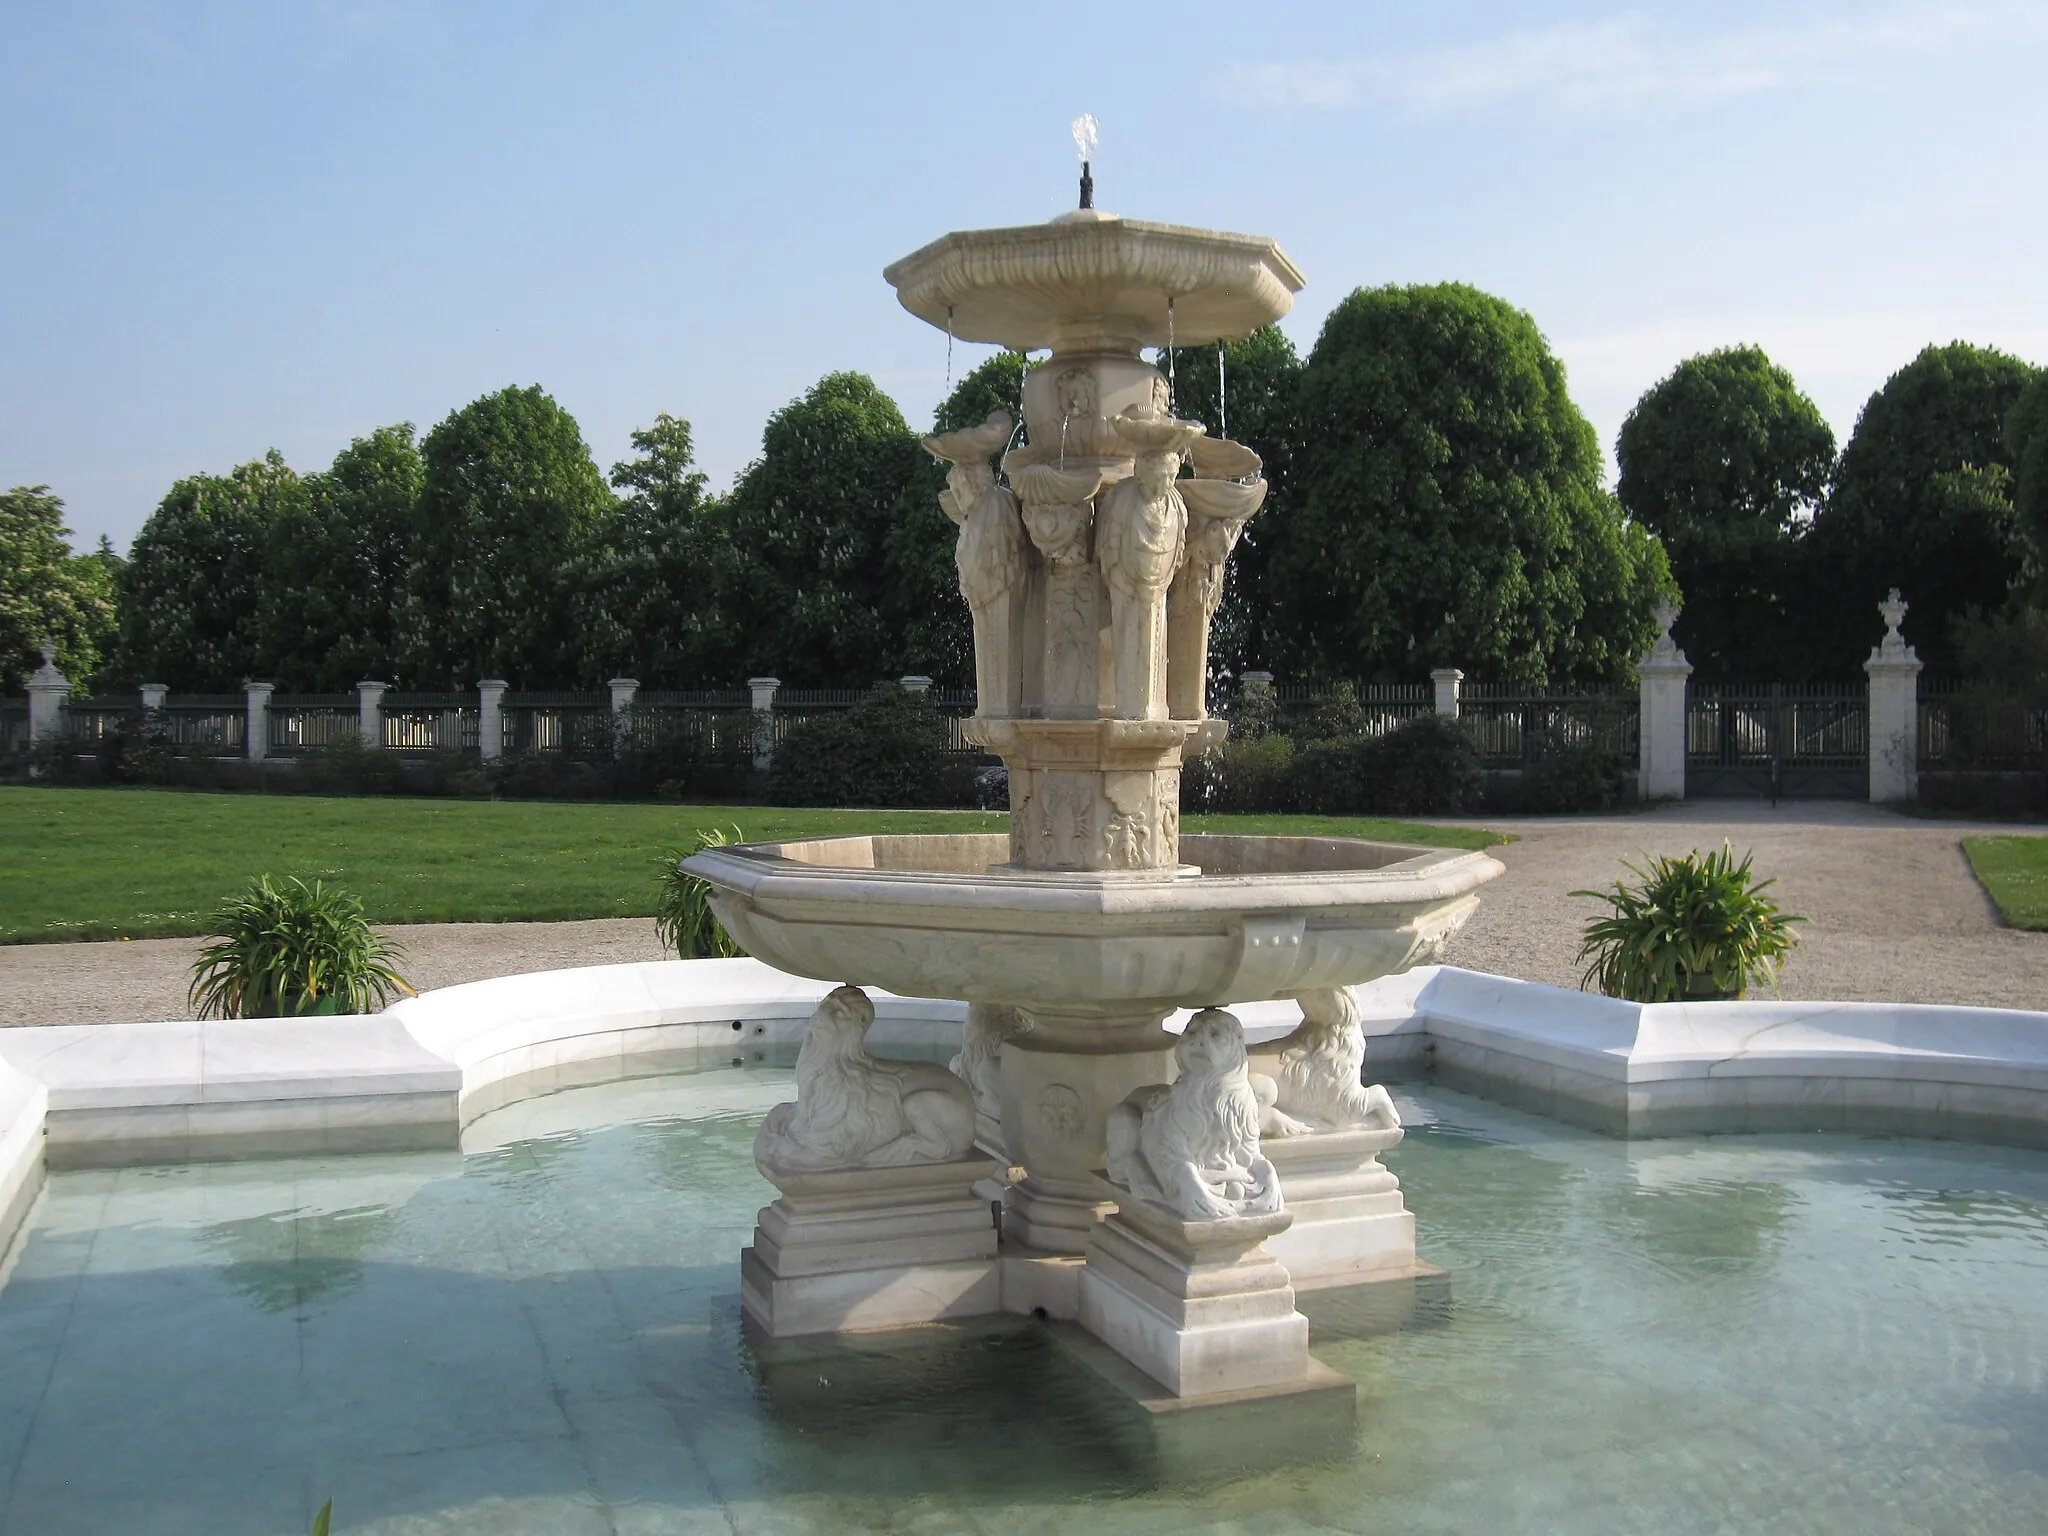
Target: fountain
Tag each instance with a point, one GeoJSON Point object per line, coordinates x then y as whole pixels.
{"type": "Point", "coordinates": [1169, 1194]}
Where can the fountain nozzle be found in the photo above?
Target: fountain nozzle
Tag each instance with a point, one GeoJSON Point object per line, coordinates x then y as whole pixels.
{"type": "Point", "coordinates": [1087, 186]}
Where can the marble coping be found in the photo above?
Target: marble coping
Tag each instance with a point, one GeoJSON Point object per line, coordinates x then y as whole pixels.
{"type": "Point", "coordinates": [412, 1076]}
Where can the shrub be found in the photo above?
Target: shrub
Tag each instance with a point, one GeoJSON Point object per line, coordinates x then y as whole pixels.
{"type": "Point", "coordinates": [682, 912]}
{"type": "Point", "coordinates": [292, 951]}
{"type": "Point", "coordinates": [1695, 928]}
{"type": "Point", "coordinates": [1427, 766]}
{"type": "Point", "coordinates": [890, 749]}
{"type": "Point", "coordinates": [1255, 774]}
{"type": "Point", "coordinates": [348, 766]}
{"type": "Point", "coordinates": [1573, 776]}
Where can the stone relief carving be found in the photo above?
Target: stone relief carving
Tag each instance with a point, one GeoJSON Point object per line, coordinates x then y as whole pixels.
{"type": "Point", "coordinates": [1061, 1112]}
{"type": "Point", "coordinates": [1193, 1146]}
{"type": "Point", "coordinates": [1140, 537]}
{"type": "Point", "coordinates": [853, 1111]}
{"type": "Point", "coordinates": [1311, 1079]}
{"type": "Point", "coordinates": [980, 1060]}
{"type": "Point", "coordinates": [990, 553]}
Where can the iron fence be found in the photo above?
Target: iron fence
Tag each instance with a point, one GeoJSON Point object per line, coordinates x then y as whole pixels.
{"type": "Point", "coordinates": [1968, 729]}
{"type": "Point", "coordinates": [1513, 725]}
{"type": "Point", "coordinates": [302, 722]}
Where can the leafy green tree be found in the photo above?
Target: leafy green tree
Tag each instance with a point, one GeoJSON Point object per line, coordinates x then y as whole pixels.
{"type": "Point", "coordinates": [994, 384]}
{"type": "Point", "coordinates": [1254, 399]}
{"type": "Point", "coordinates": [337, 560]}
{"type": "Point", "coordinates": [511, 507]}
{"type": "Point", "coordinates": [657, 601]}
{"type": "Point", "coordinates": [194, 585]}
{"type": "Point", "coordinates": [1922, 501]}
{"type": "Point", "coordinates": [1448, 505]}
{"type": "Point", "coordinates": [1725, 460]}
{"type": "Point", "coordinates": [48, 594]}
{"type": "Point", "coordinates": [847, 560]}
{"type": "Point", "coordinates": [2026, 441]}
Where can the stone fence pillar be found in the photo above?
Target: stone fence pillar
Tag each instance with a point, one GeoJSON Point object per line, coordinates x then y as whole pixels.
{"type": "Point", "coordinates": [917, 685]}
{"type": "Point", "coordinates": [1447, 680]}
{"type": "Point", "coordinates": [1660, 728]}
{"type": "Point", "coordinates": [153, 696]}
{"type": "Point", "coordinates": [370, 712]}
{"type": "Point", "coordinates": [490, 718]}
{"type": "Point", "coordinates": [256, 730]}
{"type": "Point", "coordinates": [47, 690]}
{"type": "Point", "coordinates": [1256, 679]}
{"type": "Point", "coordinates": [763, 690]}
{"type": "Point", "coordinates": [623, 689]}
{"type": "Point", "coordinates": [1894, 672]}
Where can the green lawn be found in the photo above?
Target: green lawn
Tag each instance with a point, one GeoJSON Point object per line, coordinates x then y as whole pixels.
{"type": "Point", "coordinates": [149, 863]}
{"type": "Point", "coordinates": [2015, 871]}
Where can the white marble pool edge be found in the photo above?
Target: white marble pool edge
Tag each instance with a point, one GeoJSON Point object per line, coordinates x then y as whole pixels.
{"type": "Point", "coordinates": [411, 1077]}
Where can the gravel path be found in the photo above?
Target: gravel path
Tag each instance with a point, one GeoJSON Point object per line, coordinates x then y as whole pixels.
{"type": "Point", "coordinates": [1895, 915]}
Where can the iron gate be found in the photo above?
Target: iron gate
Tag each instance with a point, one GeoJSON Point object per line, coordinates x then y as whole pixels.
{"type": "Point", "coordinates": [1800, 741]}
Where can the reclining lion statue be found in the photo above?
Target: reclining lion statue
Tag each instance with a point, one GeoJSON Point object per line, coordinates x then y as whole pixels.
{"type": "Point", "coordinates": [854, 1111]}
{"type": "Point", "coordinates": [1193, 1145]}
{"type": "Point", "coordinates": [1311, 1080]}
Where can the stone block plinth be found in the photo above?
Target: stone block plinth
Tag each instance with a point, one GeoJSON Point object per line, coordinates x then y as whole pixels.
{"type": "Point", "coordinates": [1351, 1226]}
{"type": "Point", "coordinates": [851, 1249]}
{"type": "Point", "coordinates": [1201, 1307]}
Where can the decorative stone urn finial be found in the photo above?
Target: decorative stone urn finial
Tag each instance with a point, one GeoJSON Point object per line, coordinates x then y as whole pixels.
{"type": "Point", "coordinates": [1894, 610]}
{"type": "Point", "coordinates": [47, 674]}
{"type": "Point", "coordinates": [1665, 648]}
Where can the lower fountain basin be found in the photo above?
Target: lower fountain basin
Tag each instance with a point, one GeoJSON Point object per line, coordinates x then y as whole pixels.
{"type": "Point", "coordinates": [1242, 919]}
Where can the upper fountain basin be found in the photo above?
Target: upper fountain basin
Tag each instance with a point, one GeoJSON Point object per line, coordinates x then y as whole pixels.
{"type": "Point", "coordinates": [1098, 283]}
{"type": "Point", "coordinates": [1243, 919]}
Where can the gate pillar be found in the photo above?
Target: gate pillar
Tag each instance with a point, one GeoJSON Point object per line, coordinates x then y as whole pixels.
{"type": "Point", "coordinates": [1894, 672]}
{"type": "Point", "coordinates": [1661, 732]}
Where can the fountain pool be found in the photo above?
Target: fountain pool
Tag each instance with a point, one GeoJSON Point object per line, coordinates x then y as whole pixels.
{"type": "Point", "coordinates": [542, 1334]}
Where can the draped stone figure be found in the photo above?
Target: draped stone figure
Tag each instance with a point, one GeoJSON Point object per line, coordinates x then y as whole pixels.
{"type": "Point", "coordinates": [1059, 512]}
{"type": "Point", "coordinates": [1140, 536]}
{"type": "Point", "coordinates": [1220, 500]}
{"type": "Point", "coordinates": [990, 554]}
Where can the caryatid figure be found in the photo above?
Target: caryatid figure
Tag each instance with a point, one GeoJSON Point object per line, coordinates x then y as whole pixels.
{"type": "Point", "coordinates": [990, 554]}
{"type": "Point", "coordinates": [1140, 535]}
{"type": "Point", "coordinates": [1220, 499]}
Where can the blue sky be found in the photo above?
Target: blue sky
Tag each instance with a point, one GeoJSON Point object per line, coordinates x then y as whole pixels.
{"type": "Point", "coordinates": [230, 227]}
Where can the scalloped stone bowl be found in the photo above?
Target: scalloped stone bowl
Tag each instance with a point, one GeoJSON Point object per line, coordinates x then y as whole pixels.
{"type": "Point", "coordinates": [1241, 920]}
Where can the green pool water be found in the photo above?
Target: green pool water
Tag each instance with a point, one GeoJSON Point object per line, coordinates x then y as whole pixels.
{"type": "Point", "coordinates": [541, 1335]}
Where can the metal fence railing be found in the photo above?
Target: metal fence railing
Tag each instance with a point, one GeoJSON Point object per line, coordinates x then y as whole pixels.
{"type": "Point", "coordinates": [1966, 729]}
{"type": "Point", "coordinates": [1512, 725]}
{"type": "Point", "coordinates": [302, 722]}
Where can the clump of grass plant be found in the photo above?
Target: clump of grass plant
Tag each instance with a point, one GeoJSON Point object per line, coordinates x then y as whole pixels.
{"type": "Point", "coordinates": [682, 912]}
{"type": "Point", "coordinates": [291, 951]}
{"type": "Point", "coordinates": [1696, 927]}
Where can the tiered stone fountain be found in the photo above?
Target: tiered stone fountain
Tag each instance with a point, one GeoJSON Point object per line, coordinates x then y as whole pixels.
{"type": "Point", "coordinates": [1170, 1194]}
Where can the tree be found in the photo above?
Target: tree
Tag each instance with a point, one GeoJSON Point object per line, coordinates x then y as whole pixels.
{"type": "Point", "coordinates": [657, 602]}
{"type": "Point", "coordinates": [1725, 460]}
{"type": "Point", "coordinates": [336, 563]}
{"type": "Point", "coordinates": [1255, 396]}
{"type": "Point", "coordinates": [848, 567]}
{"type": "Point", "coordinates": [994, 384]}
{"type": "Point", "coordinates": [1448, 505]}
{"type": "Point", "coordinates": [2026, 443]}
{"type": "Point", "coordinates": [1921, 501]}
{"type": "Point", "coordinates": [48, 594]}
{"type": "Point", "coordinates": [511, 504]}
{"type": "Point", "coordinates": [195, 580]}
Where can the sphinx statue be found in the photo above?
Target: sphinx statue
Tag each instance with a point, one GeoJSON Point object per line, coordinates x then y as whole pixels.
{"type": "Point", "coordinates": [1311, 1080]}
{"type": "Point", "coordinates": [979, 1064]}
{"type": "Point", "coordinates": [854, 1111]}
{"type": "Point", "coordinates": [1140, 537]}
{"type": "Point", "coordinates": [1193, 1145]}
{"type": "Point", "coordinates": [990, 554]}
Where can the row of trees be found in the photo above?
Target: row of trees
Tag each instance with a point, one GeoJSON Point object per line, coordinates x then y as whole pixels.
{"type": "Point", "coordinates": [1782, 547]}
{"type": "Point", "coordinates": [1437, 499]}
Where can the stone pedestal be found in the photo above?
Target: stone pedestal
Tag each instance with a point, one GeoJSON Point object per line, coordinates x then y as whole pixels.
{"type": "Point", "coordinates": [47, 690]}
{"type": "Point", "coordinates": [1894, 673]}
{"type": "Point", "coordinates": [1201, 1307]}
{"type": "Point", "coordinates": [850, 1249]}
{"type": "Point", "coordinates": [1095, 794]}
{"type": "Point", "coordinates": [370, 712]}
{"type": "Point", "coordinates": [1059, 1083]}
{"type": "Point", "coordinates": [256, 725]}
{"type": "Point", "coordinates": [490, 718]}
{"type": "Point", "coordinates": [1350, 1224]}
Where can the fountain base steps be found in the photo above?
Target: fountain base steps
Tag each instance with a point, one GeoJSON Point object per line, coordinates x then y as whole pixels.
{"type": "Point", "coordinates": [1201, 1307]}
{"type": "Point", "coordinates": [854, 1249]}
{"type": "Point", "coordinates": [1350, 1225]}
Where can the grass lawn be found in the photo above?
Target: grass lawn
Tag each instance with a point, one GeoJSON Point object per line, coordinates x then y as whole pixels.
{"type": "Point", "coordinates": [152, 863]}
{"type": "Point", "coordinates": [2015, 871]}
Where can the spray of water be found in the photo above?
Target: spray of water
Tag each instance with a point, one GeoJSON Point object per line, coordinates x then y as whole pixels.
{"type": "Point", "coordinates": [1085, 136]}
{"type": "Point", "coordinates": [1222, 397]}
